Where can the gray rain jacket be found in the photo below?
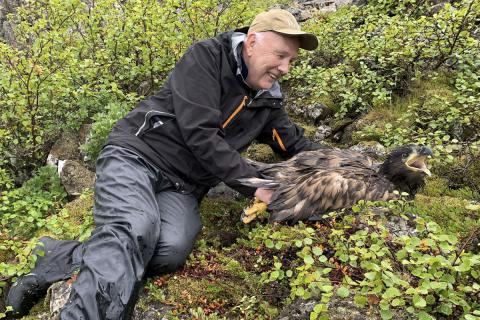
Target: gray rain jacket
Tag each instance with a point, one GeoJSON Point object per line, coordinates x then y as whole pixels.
{"type": "Point", "coordinates": [195, 126]}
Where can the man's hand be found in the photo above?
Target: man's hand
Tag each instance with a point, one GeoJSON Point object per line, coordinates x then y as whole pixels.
{"type": "Point", "coordinates": [264, 195]}
{"type": "Point", "coordinates": [262, 199]}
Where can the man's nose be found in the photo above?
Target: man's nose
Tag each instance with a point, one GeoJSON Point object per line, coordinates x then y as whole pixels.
{"type": "Point", "coordinates": [284, 67]}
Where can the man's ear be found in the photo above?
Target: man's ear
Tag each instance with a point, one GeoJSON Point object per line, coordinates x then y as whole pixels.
{"type": "Point", "coordinates": [249, 43]}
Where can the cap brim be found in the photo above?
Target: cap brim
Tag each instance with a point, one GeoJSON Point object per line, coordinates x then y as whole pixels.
{"type": "Point", "coordinates": [308, 41]}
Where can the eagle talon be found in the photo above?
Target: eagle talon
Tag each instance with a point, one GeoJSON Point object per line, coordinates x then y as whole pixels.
{"type": "Point", "coordinates": [252, 212]}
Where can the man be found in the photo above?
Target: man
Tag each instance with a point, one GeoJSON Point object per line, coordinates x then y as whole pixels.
{"type": "Point", "coordinates": [162, 158]}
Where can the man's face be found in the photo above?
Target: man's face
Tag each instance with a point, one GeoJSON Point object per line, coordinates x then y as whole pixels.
{"type": "Point", "coordinates": [268, 56]}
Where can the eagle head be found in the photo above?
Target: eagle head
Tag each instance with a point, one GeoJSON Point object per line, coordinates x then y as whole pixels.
{"type": "Point", "coordinates": [406, 167]}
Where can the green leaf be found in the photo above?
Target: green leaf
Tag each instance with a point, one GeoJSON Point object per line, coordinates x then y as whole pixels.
{"type": "Point", "coordinates": [308, 260]}
{"type": "Point", "coordinates": [322, 259]}
{"type": "Point", "coordinates": [445, 308]}
{"type": "Point", "coordinates": [422, 315]}
{"type": "Point", "coordinates": [274, 275]}
{"type": "Point", "coordinates": [356, 209]}
{"type": "Point", "coordinates": [269, 244]}
{"type": "Point", "coordinates": [326, 288]}
{"type": "Point", "coordinates": [371, 275]}
{"type": "Point", "coordinates": [319, 308]}
{"type": "Point", "coordinates": [386, 314]}
{"type": "Point", "coordinates": [430, 299]}
{"type": "Point", "coordinates": [391, 293]}
{"type": "Point", "coordinates": [317, 251]}
{"type": "Point", "coordinates": [360, 300]}
{"type": "Point", "coordinates": [326, 270]}
{"type": "Point", "coordinates": [307, 241]}
{"type": "Point", "coordinates": [464, 267]}
{"type": "Point", "coordinates": [398, 302]}
{"type": "Point", "coordinates": [343, 292]}
{"type": "Point", "coordinates": [300, 292]}
{"type": "Point", "coordinates": [278, 245]}
{"type": "Point", "coordinates": [419, 302]}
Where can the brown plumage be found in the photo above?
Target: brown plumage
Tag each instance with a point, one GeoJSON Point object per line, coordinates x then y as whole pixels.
{"type": "Point", "coordinates": [315, 182]}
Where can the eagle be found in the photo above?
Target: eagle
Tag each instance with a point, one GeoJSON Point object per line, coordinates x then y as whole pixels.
{"type": "Point", "coordinates": [314, 182]}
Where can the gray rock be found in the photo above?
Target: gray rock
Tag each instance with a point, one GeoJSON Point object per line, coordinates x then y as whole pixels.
{"type": "Point", "coordinates": [7, 33]}
{"type": "Point", "coordinates": [222, 190]}
{"type": "Point", "coordinates": [322, 132]}
{"type": "Point", "coordinates": [75, 177]}
{"type": "Point", "coordinates": [299, 14]}
{"type": "Point", "coordinates": [66, 147]}
{"type": "Point", "coordinates": [374, 149]}
{"type": "Point", "coordinates": [60, 291]}
{"type": "Point", "coordinates": [145, 88]}
{"type": "Point", "coordinates": [346, 309]}
{"type": "Point", "coordinates": [347, 133]}
{"type": "Point", "coordinates": [299, 309]}
{"type": "Point", "coordinates": [154, 310]}
{"type": "Point", "coordinates": [6, 28]}
{"type": "Point", "coordinates": [327, 6]}
{"type": "Point", "coordinates": [318, 112]}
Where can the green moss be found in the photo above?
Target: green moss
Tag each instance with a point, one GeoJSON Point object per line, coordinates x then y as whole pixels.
{"type": "Point", "coordinates": [74, 221]}
{"type": "Point", "coordinates": [449, 212]}
{"type": "Point", "coordinates": [430, 95]}
{"type": "Point", "coordinates": [261, 152]}
{"type": "Point", "coordinates": [377, 117]}
{"type": "Point", "coordinates": [40, 311]}
{"type": "Point", "coordinates": [221, 222]}
{"type": "Point", "coordinates": [309, 130]}
{"type": "Point", "coordinates": [462, 174]}
{"type": "Point", "coordinates": [438, 187]}
{"type": "Point", "coordinates": [215, 283]}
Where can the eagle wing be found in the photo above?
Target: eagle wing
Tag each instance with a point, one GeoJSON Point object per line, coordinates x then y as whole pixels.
{"type": "Point", "coordinates": [308, 162]}
{"type": "Point", "coordinates": [323, 190]}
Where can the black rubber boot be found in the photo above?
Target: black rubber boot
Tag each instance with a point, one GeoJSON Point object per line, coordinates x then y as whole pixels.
{"type": "Point", "coordinates": [54, 264]}
{"type": "Point", "coordinates": [24, 293]}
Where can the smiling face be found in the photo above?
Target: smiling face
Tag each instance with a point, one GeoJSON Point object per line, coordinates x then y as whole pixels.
{"type": "Point", "coordinates": [268, 56]}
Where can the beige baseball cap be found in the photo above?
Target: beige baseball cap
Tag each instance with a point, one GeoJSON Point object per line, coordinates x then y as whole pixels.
{"type": "Point", "coordinates": [283, 22]}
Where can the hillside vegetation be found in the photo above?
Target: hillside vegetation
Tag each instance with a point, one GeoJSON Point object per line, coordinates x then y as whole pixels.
{"type": "Point", "coordinates": [392, 72]}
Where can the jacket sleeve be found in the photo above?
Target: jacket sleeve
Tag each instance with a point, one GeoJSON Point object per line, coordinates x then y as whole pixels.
{"type": "Point", "coordinates": [196, 90]}
{"type": "Point", "coordinates": [284, 136]}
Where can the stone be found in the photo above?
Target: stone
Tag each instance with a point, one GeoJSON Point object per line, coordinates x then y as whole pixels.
{"type": "Point", "coordinates": [326, 6]}
{"type": "Point", "coordinates": [371, 148]}
{"type": "Point", "coordinates": [222, 190]}
{"type": "Point", "coordinates": [322, 132]}
{"type": "Point", "coordinates": [59, 293]}
{"type": "Point", "coordinates": [75, 177]}
{"type": "Point", "coordinates": [66, 147]}
{"type": "Point", "coordinates": [318, 112]}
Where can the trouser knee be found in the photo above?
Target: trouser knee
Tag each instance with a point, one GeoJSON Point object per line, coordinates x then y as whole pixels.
{"type": "Point", "coordinates": [170, 259]}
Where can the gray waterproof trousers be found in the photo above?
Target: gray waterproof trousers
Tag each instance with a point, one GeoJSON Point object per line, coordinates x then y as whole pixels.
{"type": "Point", "coordinates": [143, 226]}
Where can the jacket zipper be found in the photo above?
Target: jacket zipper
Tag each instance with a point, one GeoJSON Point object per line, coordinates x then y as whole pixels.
{"type": "Point", "coordinates": [237, 110]}
{"type": "Point", "coordinates": [146, 119]}
{"type": "Point", "coordinates": [276, 137]}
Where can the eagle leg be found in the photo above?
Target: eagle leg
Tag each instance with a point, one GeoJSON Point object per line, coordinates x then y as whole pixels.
{"type": "Point", "coordinates": [249, 214]}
